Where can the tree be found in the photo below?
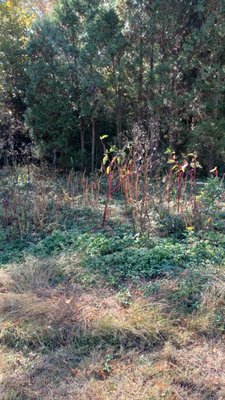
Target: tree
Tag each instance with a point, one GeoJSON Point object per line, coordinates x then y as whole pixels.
{"type": "Point", "coordinates": [14, 27]}
{"type": "Point", "coordinates": [102, 67]}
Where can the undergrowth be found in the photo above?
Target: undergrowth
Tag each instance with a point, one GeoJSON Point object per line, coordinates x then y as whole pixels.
{"type": "Point", "coordinates": [106, 312]}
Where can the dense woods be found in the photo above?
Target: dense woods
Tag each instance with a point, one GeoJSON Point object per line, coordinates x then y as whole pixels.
{"type": "Point", "coordinates": [72, 71]}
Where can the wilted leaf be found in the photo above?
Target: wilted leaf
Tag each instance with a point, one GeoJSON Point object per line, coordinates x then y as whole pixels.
{"type": "Point", "coordinates": [105, 159]}
{"type": "Point", "coordinates": [198, 165]}
{"type": "Point", "coordinates": [213, 170]}
{"type": "Point", "coordinates": [191, 155]}
{"type": "Point", "coordinates": [68, 301]}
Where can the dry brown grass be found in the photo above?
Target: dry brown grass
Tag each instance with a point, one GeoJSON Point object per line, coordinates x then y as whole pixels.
{"type": "Point", "coordinates": [210, 317]}
{"type": "Point", "coordinates": [200, 371]}
{"type": "Point", "coordinates": [6, 281]}
{"type": "Point", "coordinates": [192, 373]}
{"type": "Point", "coordinates": [132, 375]}
{"type": "Point", "coordinates": [36, 316]}
{"type": "Point", "coordinates": [99, 313]}
{"type": "Point", "coordinates": [33, 275]}
{"type": "Point", "coordinates": [97, 348]}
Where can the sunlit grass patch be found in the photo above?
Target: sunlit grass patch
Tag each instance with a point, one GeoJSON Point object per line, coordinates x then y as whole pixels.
{"type": "Point", "coordinates": [140, 322]}
{"type": "Point", "coordinates": [210, 317]}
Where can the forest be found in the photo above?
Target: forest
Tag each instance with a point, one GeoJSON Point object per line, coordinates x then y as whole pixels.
{"type": "Point", "coordinates": [112, 199]}
{"type": "Point", "coordinates": [82, 69]}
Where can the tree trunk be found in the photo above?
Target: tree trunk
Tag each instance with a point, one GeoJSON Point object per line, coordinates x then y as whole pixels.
{"type": "Point", "coordinates": [82, 134]}
{"type": "Point", "coordinates": [141, 70]}
{"type": "Point", "coordinates": [82, 140]}
{"type": "Point", "coordinates": [140, 82]}
{"type": "Point", "coordinates": [119, 118]}
{"type": "Point", "coordinates": [93, 144]}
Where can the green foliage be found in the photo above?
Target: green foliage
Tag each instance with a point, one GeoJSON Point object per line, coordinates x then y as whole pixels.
{"type": "Point", "coordinates": [170, 224]}
{"type": "Point", "coordinates": [209, 214]}
{"type": "Point", "coordinates": [87, 68]}
{"type": "Point", "coordinates": [136, 262]}
{"type": "Point", "coordinates": [190, 285]}
{"type": "Point", "coordinates": [15, 22]}
{"type": "Point", "coordinates": [211, 193]}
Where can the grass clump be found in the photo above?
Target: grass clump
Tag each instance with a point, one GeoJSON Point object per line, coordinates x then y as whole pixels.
{"type": "Point", "coordinates": [27, 336]}
{"type": "Point", "coordinates": [141, 322]}
{"type": "Point", "coordinates": [36, 275]}
{"type": "Point", "coordinates": [210, 316]}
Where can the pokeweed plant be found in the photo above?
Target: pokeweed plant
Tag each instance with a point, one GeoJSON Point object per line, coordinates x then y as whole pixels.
{"type": "Point", "coordinates": [197, 208]}
{"type": "Point", "coordinates": [181, 184]}
{"type": "Point", "coordinates": [117, 167]}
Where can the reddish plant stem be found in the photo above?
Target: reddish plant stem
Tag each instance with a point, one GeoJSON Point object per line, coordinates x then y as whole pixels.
{"type": "Point", "coordinates": [120, 183]}
{"type": "Point", "coordinates": [110, 191]}
{"type": "Point", "coordinates": [179, 190]}
{"type": "Point", "coordinates": [168, 188]}
{"type": "Point", "coordinates": [195, 186]}
{"type": "Point", "coordinates": [108, 198]}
